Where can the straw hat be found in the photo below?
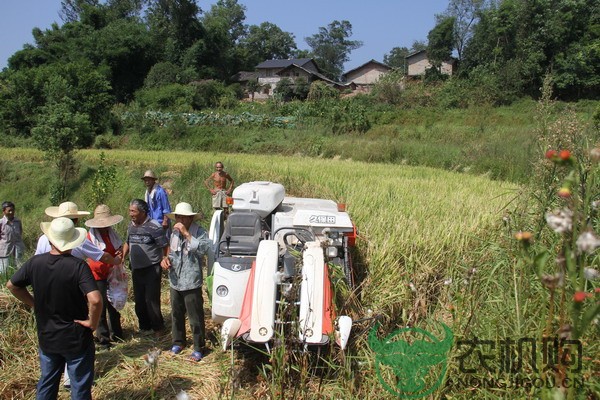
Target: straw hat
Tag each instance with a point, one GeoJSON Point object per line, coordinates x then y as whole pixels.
{"type": "Point", "coordinates": [61, 232]}
{"type": "Point", "coordinates": [183, 209]}
{"type": "Point", "coordinates": [149, 174]}
{"type": "Point", "coordinates": [68, 209]}
{"type": "Point", "coordinates": [103, 218]}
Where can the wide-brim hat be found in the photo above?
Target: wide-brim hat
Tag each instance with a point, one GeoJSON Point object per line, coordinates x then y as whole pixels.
{"type": "Point", "coordinates": [103, 218]}
{"type": "Point", "coordinates": [68, 209]}
{"type": "Point", "coordinates": [149, 174]}
{"type": "Point", "coordinates": [61, 232]}
{"type": "Point", "coordinates": [184, 209]}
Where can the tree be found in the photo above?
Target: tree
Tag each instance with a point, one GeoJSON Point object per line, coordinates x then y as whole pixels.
{"type": "Point", "coordinates": [331, 47]}
{"type": "Point", "coordinates": [301, 54]}
{"type": "Point", "coordinates": [60, 130]}
{"type": "Point", "coordinates": [175, 26]}
{"type": "Point", "coordinates": [221, 55]}
{"type": "Point", "coordinates": [71, 10]}
{"type": "Point", "coordinates": [252, 87]}
{"type": "Point", "coordinates": [441, 42]}
{"type": "Point", "coordinates": [27, 94]}
{"type": "Point", "coordinates": [284, 89]}
{"type": "Point", "coordinates": [162, 73]}
{"type": "Point", "coordinates": [229, 14]}
{"type": "Point", "coordinates": [267, 42]}
{"type": "Point", "coordinates": [397, 58]}
{"type": "Point", "coordinates": [465, 14]}
{"type": "Point", "coordinates": [418, 45]}
{"type": "Point", "coordinates": [525, 40]}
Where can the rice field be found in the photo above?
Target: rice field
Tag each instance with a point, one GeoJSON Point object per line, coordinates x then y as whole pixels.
{"type": "Point", "coordinates": [428, 245]}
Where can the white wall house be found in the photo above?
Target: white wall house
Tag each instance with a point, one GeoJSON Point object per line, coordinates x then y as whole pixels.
{"type": "Point", "coordinates": [418, 63]}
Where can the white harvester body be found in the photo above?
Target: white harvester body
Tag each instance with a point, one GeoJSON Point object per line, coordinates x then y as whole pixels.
{"type": "Point", "coordinates": [268, 242]}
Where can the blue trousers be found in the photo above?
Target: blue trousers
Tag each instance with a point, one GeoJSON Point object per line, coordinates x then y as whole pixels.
{"type": "Point", "coordinates": [81, 372]}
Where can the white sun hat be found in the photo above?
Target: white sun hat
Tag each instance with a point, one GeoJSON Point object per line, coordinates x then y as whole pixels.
{"type": "Point", "coordinates": [61, 232]}
{"type": "Point", "coordinates": [68, 209]}
{"type": "Point", "coordinates": [184, 209]}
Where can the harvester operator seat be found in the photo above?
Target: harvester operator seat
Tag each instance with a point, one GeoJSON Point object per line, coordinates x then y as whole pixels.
{"type": "Point", "coordinates": [245, 232]}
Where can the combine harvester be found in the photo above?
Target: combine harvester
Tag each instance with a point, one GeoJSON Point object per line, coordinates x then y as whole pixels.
{"type": "Point", "coordinates": [273, 253]}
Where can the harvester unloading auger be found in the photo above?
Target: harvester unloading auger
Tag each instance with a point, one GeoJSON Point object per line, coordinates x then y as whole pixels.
{"type": "Point", "coordinates": [273, 252]}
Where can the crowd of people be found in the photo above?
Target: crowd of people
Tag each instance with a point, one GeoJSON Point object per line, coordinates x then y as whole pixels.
{"type": "Point", "coordinates": [71, 269]}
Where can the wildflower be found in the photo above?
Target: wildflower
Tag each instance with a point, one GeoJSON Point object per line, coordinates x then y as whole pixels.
{"type": "Point", "coordinates": [523, 236]}
{"type": "Point", "coordinates": [597, 290]}
{"type": "Point", "coordinates": [579, 297]}
{"type": "Point", "coordinates": [412, 287]}
{"type": "Point", "coordinates": [595, 204]}
{"type": "Point", "coordinates": [565, 155]}
{"type": "Point", "coordinates": [564, 192]}
{"type": "Point", "coordinates": [560, 221]}
{"type": "Point", "coordinates": [448, 281]}
{"type": "Point", "coordinates": [590, 274]}
{"type": "Point", "coordinates": [151, 358]}
{"type": "Point", "coordinates": [587, 242]}
{"type": "Point", "coordinates": [551, 154]}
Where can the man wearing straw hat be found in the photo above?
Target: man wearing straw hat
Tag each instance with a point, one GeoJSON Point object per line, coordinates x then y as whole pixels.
{"type": "Point", "coordinates": [87, 249]}
{"type": "Point", "coordinates": [189, 243]}
{"type": "Point", "coordinates": [63, 288]}
{"type": "Point", "coordinates": [106, 239]}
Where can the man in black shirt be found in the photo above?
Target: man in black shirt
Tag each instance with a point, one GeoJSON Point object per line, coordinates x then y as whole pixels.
{"type": "Point", "coordinates": [63, 287]}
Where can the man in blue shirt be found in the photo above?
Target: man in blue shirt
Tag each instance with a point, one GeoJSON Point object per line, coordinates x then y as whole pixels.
{"type": "Point", "coordinates": [157, 199]}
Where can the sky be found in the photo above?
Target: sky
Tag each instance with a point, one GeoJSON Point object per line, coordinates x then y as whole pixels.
{"type": "Point", "coordinates": [380, 24]}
